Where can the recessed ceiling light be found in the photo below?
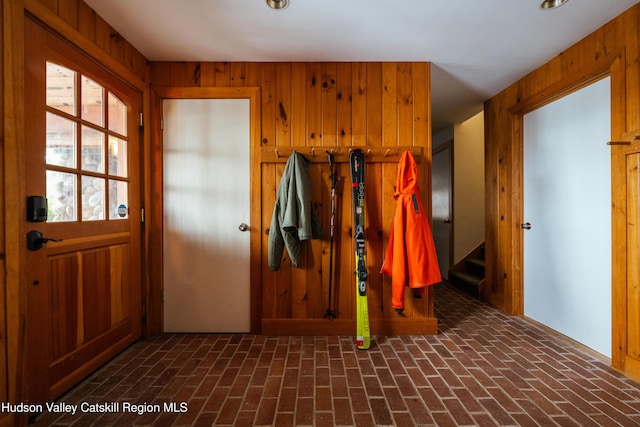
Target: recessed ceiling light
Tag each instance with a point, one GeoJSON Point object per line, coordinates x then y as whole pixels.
{"type": "Point", "coordinates": [552, 4]}
{"type": "Point", "coordinates": [278, 4]}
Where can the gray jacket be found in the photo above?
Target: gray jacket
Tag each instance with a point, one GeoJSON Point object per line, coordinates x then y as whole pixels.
{"type": "Point", "coordinates": [294, 218]}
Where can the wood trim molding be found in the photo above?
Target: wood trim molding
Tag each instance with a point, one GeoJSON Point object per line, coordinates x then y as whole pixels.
{"type": "Point", "coordinates": [372, 154]}
{"type": "Point", "coordinates": [568, 84]}
{"type": "Point", "coordinates": [253, 94]}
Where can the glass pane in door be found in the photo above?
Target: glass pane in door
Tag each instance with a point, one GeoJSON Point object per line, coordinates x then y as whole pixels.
{"type": "Point", "coordinates": [61, 88]}
{"type": "Point", "coordinates": [61, 196]}
{"type": "Point", "coordinates": [92, 150]}
{"type": "Point", "coordinates": [92, 198]}
{"type": "Point", "coordinates": [61, 141]}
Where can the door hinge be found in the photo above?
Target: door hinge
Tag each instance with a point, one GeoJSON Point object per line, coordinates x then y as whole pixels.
{"type": "Point", "coordinates": [142, 215]}
{"type": "Point", "coordinates": [162, 123]}
{"type": "Point", "coordinates": [141, 120]}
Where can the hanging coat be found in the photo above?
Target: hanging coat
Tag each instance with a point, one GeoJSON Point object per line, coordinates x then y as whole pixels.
{"type": "Point", "coordinates": [294, 219]}
{"type": "Point", "coordinates": [410, 258]}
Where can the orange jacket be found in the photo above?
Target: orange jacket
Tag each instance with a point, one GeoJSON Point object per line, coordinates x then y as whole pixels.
{"type": "Point", "coordinates": [410, 258]}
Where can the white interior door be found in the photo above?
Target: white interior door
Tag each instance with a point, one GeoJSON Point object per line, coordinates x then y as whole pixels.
{"type": "Point", "coordinates": [206, 198]}
{"type": "Point", "coordinates": [441, 207]}
{"type": "Point", "coordinates": [567, 201]}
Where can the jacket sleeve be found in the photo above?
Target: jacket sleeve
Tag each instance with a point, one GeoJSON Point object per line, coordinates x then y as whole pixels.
{"type": "Point", "coordinates": [275, 241]}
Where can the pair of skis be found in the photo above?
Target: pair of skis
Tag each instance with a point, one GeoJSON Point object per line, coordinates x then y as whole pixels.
{"type": "Point", "coordinates": [356, 162]}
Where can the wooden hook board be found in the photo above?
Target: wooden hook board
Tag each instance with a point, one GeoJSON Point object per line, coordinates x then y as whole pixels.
{"type": "Point", "coordinates": [340, 154]}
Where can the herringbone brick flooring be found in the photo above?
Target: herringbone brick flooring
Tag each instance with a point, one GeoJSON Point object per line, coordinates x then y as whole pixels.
{"type": "Point", "coordinates": [484, 368]}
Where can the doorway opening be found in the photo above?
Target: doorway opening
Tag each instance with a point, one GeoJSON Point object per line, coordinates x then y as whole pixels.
{"type": "Point", "coordinates": [567, 202]}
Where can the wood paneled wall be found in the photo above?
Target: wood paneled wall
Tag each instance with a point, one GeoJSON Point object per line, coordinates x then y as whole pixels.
{"type": "Point", "coordinates": [325, 106]}
{"type": "Point", "coordinates": [93, 32]}
{"type": "Point", "coordinates": [614, 50]}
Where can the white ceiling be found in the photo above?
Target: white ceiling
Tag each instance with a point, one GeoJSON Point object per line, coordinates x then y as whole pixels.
{"type": "Point", "coordinates": [477, 47]}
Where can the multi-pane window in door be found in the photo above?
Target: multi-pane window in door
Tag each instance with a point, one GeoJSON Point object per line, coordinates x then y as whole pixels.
{"type": "Point", "coordinates": [86, 148]}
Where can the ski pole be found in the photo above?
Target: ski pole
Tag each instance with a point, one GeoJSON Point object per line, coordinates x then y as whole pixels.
{"type": "Point", "coordinates": [329, 313]}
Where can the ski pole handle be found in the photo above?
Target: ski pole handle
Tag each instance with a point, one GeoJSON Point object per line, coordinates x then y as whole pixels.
{"type": "Point", "coordinates": [330, 154]}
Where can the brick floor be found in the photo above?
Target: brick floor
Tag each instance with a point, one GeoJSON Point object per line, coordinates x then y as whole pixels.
{"type": "Point", "coordinates": [484, 368]}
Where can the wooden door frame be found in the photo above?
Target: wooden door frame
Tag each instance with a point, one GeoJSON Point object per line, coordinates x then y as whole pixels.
{"type": "Point", "coordinates": [513, 262]}
{"type": "Point", "coordinates": [155, 266]}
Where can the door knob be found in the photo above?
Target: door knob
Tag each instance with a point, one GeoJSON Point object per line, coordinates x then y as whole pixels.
{"type": "Point", "coordinates": [35, 240]}
{"type": "Point", "coordinates": [243, 227]}
{"type": "Point", "coordinates": [526, 226]}
{"type": "Point", "coordinates": [446, 221]}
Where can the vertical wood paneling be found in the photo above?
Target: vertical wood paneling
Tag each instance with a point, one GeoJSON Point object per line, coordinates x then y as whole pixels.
{"type": "Point", "coordinates": [192, 73]}
{"type": "Point", "coordinates": [405, 104]}
{"type": "Point", "coordinates": [294, 100]}
{"type": "Point", "coordinates": [313, 271]}
{"type": "Point", "coordinates": [238, 74]}
{"type": "Point", "coordinates": [64, 304]}
{"type": "Point", "coordinates": [329, 105]}
{"type": "Point", "coordinates": [630, 34]}
{"type": "Point", "coordinates": [359, 104]}
{"type": "Point", "coordinates": [344, 282]}
{"type": "Point", "coordinates": [68, 11]}
{"type": "Point", "coordinates": [389, 171]}
{"type": "Point", "coordinates": [269, 185]}
{"type": "Point", "coordinates": [207, 74]}
{"type": "Point", "coordinates": [283, 105]}
{"type": "Point", "coordinates": [374, 201]}
{"type": "Point", "coordinates": [314, 105]}
{"type": "Point", "coordinates": [119, 272]}
{"type": "Point", "coordinates": [223, 74]}
{"type": "Point", "coordinates": [422, 136]}
{"type": "Point", "coordinates": [344, 104]}
{"type": "Point", "coordinates": [633, 252]}
{"type": "Point", "coordinates": [389, 104]}
{"type": "Point", "coordinates": [96, 290]}
{"type": "Point", "coordinates": [324, 105]}
{"type": "Point", "coordinates": [87, 22]}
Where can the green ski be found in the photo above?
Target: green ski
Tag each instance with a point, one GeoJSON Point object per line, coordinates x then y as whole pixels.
{"type": "Point", "coordinates": [363, 336]}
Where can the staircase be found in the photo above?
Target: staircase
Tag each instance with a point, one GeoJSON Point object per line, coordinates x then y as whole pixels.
{"type": "Point", "coordinates": [468, 274]}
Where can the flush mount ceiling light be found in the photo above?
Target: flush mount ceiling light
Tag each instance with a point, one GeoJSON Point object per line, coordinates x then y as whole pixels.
{"type": "Point", "coordinates": [279, 4]}
{"type": "Point", "coordinates": [550, 4]}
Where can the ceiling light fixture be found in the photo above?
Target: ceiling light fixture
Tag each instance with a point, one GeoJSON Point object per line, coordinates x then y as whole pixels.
{"type": "Point", "coordinates": [279, 4]}
{"type": "Point", "coordinates": [552, 4]}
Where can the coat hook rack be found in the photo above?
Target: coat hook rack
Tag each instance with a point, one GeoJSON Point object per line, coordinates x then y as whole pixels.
{"type": "Point", "coordinates": [280, 154]}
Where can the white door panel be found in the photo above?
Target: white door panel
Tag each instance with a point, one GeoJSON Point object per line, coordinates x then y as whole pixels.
{"type": "Point", "coordinates": [206, 198]}
{"type": "Point", "coordinates": [441, 206]}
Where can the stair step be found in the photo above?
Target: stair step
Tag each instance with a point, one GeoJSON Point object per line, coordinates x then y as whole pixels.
{"type": "Point", "coordinates": [477, 262]}
{"type": "Point", "coordinates": [466, 283]}
{"type": "Point", "coordinates": [475, 266]}
{"type": "Point", "coordinates": [466, 278]}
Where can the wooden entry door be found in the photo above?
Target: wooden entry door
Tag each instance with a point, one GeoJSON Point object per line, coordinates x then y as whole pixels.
{"type": "Point", "coordinates": [83, 292]}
